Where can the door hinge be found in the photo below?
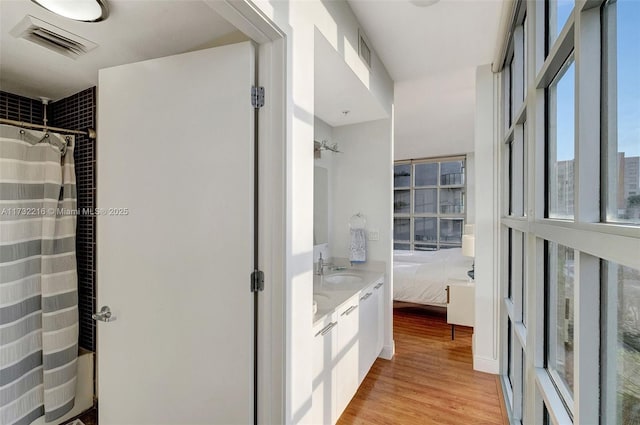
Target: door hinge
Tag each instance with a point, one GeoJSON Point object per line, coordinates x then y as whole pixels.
{"type": "Point", "coordinates": [257, 97]}
{"type": "Point", "coordinates": [257, 281]}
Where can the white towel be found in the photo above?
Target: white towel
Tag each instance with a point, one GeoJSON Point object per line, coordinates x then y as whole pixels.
{"type": "Point", "coordinates": [358, 248]}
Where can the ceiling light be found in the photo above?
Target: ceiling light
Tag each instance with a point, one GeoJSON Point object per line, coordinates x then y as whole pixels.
{"type": "Point", "coordinates": [79, 10]}
{"type": "Point", "coordinates": [423, 3]}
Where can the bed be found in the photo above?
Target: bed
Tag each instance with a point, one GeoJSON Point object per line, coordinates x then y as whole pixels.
{"type": "Point", "coordinates": [421, 277]}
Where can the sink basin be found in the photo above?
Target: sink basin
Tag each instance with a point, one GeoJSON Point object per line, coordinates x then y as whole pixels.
{"type": "Point", "coordinates": [342, 279]}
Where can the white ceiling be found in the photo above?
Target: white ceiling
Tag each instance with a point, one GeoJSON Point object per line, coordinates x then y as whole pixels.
{"type": "Point", "coordinates": [432, 53]}
{"type": "Point", "coordinates": [337, 88]}
{"type": "Point", "coordinates": [135, 31]}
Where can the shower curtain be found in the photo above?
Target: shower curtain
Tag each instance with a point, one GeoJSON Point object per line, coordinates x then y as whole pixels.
{"type": "Point", "coordinates": [38, 276]}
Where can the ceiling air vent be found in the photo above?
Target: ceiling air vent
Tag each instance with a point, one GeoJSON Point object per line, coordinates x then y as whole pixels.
{"type": "Point", "coordinates": [364, 51]}
{"type": "Point", "coordinates": [53, 38]}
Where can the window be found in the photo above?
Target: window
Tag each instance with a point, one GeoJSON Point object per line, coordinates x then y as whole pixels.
{"type": "Point", "coordinates": [516, 172]}
{"type": "Point", "coordinates": [560, 313]}
{"type": "Point", "coordinates": [514, 178]}
{"type": "Point", "coordinates": [429, 204]}
{"type": "Point", "coordinates": [570, 226]}
{"type": "Point", "coordinates": [621, 344]}
{"type": "Point", "coordinates": [620, 119]}
{"type": "Point", "coordinates": [560, 143]}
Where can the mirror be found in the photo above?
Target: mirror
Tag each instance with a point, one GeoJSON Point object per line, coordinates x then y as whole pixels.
{"type": "Point", "coordinates": [320, 205]}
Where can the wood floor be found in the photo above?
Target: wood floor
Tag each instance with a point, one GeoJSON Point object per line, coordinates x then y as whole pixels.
{"type": "Point", "coordinates": [429, 381]}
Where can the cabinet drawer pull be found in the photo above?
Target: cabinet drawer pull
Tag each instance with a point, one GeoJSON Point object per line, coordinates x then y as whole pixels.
{"type": "Point", "coordinates": [379, 285]}
{"type": "Point", "coordinates": [448, 294]}
{"type": "Point", "coordinates": [349, 310]}
{"type": "Point", "coordinates": [326, 329]}
{"type": "Point", "coordinates": [365, 296]}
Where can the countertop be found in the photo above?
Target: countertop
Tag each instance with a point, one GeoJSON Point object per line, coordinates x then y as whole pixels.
{"type": "Point", "coordinates": [331, 296]}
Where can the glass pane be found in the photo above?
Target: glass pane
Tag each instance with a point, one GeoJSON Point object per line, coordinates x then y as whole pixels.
{"type": "Point", "coordinates": [510, 353]}
{"type": "Point", "coordinates": [622, 344]}
{"type": "Point", "coordinates": [560, 147]}
{"type": "Point", "coordinates": [516, 174]}
{"type": "Point", "coordinates": [401, 201]}
{"type": "Point", "coordinates": [546, 419]}
{"type": "Point", "coordinates": [523, 387]}
{"type": "Point", "coordinates": [401, 229]}
{"type": "Point", "coordinates": [512, 94]}
{"type": "Point", "coordinates": [431, 247]}
{"type": "Point", "coordinates": [559, 11]}
{"type": "Point", "coordinates": [506, 98]}
{"type": "Point", "coordinates": [623, 93]}
{"type": "Point", "coordinates": [451, 230]}
{"type": "Point", "coordinates": [524, 169]}
{"type": "Point", "coordinates": [425, 229]}
{"type": "Point", "coordinates": [452, 201]}
{"type": "Point", "coordinates": [561, 310]}
{"type": "Point", "coordinates": [401, 246]}
{"type": "Point", "coordinates": [524, 58]}
{"type": "Point", "coordinates": [427, 174]}
{"type": "Point", "coordinates": [452, 173]}
{"type": "Point", "coordinates": [426, 200]}
{"type": "Point", "coordinates": [512, 186]}
{"type": "Point", "coordinates": [510, 265]}
{"type": "Point", "coordinates": [524, 280]}
{"type": "Point", "coordinates": [402, 175]}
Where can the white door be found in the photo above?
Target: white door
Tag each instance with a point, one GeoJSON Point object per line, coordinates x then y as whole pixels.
{"type": "Point", "coordinates": [175, 149]}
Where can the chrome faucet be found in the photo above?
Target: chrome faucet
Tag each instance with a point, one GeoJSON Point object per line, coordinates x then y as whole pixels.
{"type": "Point", "coordinates": [321, 266]}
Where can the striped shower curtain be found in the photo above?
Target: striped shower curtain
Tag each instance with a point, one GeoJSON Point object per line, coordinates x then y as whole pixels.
{"type": "Point", "coordinates": [38, 277]}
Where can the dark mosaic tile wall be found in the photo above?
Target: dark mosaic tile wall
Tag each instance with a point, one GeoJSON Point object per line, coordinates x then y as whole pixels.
{"type": "Point", "coordinates": [18, 108]}
{"type": "Point", "coordinates": [75, 112]}
{"type": "Point", "coordinates": [78, 112]}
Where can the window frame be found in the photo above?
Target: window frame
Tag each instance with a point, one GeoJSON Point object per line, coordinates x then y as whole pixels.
{"type": "Point", "coordinates": [438, 215]}
{"type": "Point", "coordinates": [592, 239]}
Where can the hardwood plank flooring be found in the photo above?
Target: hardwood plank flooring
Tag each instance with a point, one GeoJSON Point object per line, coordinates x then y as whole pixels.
{"type": "Point", "coordinates": [429, 381]}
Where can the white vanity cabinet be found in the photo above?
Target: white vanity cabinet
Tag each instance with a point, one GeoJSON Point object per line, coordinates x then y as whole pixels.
{"type": "Point", "coordinates": [325, 340]}
{"type": "Point", "coordinates": [346, 343]}
{"type": "Point", "coordinates": [348, 352]}
{"type": "Point", "coordinates": [371, 301]}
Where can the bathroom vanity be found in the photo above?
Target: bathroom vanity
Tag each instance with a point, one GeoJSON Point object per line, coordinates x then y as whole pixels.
{"type": "Point", "coordinates": [347, 337]}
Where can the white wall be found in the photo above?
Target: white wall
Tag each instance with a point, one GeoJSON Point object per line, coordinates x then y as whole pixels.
{"type": "Point", "coordinates": [297, 19]}
{"type": "Point", "coordinates": [435, 114]}
{"type": "Point", "coordinates": [363, 176]}
{"type": "Point", "coordinates": [487, 168]}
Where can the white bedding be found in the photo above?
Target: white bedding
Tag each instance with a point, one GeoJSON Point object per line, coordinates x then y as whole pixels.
{"type": "Point", "coordinates": [422, 276]}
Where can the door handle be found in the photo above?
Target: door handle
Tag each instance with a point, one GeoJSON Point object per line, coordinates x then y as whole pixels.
{"type": "Point", "coordinates": [104, 315]}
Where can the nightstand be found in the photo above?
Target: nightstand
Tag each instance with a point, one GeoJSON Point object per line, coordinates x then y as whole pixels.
{"type": "Point", "coordinates": [461, 302]}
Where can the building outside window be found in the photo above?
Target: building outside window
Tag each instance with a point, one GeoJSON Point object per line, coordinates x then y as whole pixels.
{"type": "Point", "coordinates": [428, 204]}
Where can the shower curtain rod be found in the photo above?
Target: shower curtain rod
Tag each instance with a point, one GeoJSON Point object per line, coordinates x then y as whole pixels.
{"type": "Point", "coordinates": [90, 132]}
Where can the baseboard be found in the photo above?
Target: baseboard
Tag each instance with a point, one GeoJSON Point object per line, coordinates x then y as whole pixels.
{"type": "Point", "coordinates": [484, 364]}
{"type": "Point", "coordinates": [388, 351]}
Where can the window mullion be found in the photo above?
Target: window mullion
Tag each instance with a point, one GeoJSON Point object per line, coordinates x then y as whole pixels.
{"type": "Point", "coordinates": [587, 116]}
{"type": "Point", "coordinates": [586, 338]}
